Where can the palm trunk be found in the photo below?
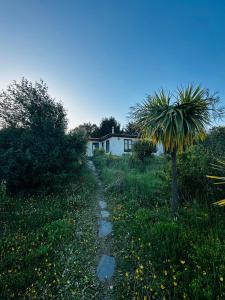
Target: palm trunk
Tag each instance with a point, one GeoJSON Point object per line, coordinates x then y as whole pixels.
{"type": "Point", "coordinates": [174, 189]}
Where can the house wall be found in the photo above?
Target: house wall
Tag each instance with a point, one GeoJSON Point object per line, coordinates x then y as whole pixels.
{"type": "Point", "coordinates": [116, 146]}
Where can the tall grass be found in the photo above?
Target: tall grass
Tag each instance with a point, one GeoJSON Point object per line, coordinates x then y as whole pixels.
{"type": "Point", "coordinates": [159, 258]}
{"type": "Point", "coordinates": [38, 237]}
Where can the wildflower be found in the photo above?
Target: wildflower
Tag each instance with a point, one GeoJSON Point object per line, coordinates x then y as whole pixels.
{"type": "Point", "coordinates": [182, 262]}
{"type": "Point", "coordinates": [175, 283]}
{"type": "Point", "coordinates": [221, 278]}
{"type": "Point", "coordinates": [204, 273]}
{"type": "Point", "coordinates": [126, 274]}
{"type": "Point", "coordinates": [145, 298]}
{"type": "Point", "coordinates": [165, 273]}
{"type": "Point", "coordinates": [162, 286]}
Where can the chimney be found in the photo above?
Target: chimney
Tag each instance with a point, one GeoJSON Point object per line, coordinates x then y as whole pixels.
{"type": "Point", "coordinates": [113, 131]}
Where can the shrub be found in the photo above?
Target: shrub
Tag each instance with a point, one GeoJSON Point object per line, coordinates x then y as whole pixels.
{"type": "Point", "coordinates": [193, 165]}
{"type": "Point", "coordinates": [36, 155]}
{"type": "Point", "coordinates": [215, 141]}
{"type": "Point", "coordinates": [143, 149]}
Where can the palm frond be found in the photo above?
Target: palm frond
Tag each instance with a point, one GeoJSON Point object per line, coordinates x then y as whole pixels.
{"type": "Point", "coordinates": [176, 124]}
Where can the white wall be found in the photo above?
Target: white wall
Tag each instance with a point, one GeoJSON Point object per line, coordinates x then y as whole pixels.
{"type": "Point", "coordinates": [116, 146]}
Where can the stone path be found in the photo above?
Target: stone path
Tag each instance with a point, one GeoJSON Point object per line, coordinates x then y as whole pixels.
{"type": "Point", "coordinates": [107, 264]}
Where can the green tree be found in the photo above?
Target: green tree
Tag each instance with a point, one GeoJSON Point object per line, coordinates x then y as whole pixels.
{"type": "Point", "coordinates": [106, 126]}
{"type": "Point", "coordinates": [131, 128]}
{"type": "Point", "coordinates": [176, 124]}
{"type": "Point", "coordinates": [36, 154]}
{"type": "Point", "coordinates": [91, 130]}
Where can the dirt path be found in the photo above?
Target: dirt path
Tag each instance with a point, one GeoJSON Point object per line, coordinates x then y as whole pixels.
{"type": "Point", "coordinates": [106, 262]}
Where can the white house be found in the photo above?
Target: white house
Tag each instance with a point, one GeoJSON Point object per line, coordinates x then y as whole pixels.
{"type": "Point", "coordinates": [115, 143]}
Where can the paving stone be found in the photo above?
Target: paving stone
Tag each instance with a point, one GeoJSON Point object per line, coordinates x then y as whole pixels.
{"type": "Point", "coordinates": [102, 204]}
{"type": "Point", "coordinates": [105, 228]}
{"type": "Point", "coordinates": [106, 267]}
{"type": "Point", "coordinates": [104, 214]}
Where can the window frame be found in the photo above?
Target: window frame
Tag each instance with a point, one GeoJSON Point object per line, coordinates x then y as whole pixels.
{"type": "Point", "coordinates": [128, 144]}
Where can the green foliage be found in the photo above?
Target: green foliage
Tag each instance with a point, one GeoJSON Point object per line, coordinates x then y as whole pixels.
{"type": "Point", "coordinates": [143, 149]}
{"type": "Point", "coordinates": [157, 257]}
{"type": "Point", "coordinates": [36, 155]}
{"type": "Point", "coordinates": [106, 126]}
{"type": "Point", "coordinates": [176, 124]}
{"type": "Point", "coordinates": [193, 165]}
{"type": "Point", "coordinates": [131, 128]}
{"type": "Point", "coordinates": [38, 244]}
{"type": "Point", "coordinates": [215, 142]}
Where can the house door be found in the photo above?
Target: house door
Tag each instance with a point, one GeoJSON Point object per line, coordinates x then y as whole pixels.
{"type": "Point", "coordinates": [94, 146]}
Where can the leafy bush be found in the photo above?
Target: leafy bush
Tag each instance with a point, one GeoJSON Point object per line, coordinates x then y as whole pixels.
{"type": "Point", "coordinates": [36, 155]}
{"type": "Point", "coordinates": [193, 165]}
{"type": "Point", "coordinates": [143, 149]}
{"type": "Point", "coordinates": [215, 141]}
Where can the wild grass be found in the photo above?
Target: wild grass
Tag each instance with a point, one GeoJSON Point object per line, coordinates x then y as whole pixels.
{"type": "Point", "coordinates": [48, 244]}
{"type": "Point", "coordinates": [157, 257]}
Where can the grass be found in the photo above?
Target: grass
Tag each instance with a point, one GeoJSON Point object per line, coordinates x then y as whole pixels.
{"type": "Point", "coordinates": [48, 244]}
{"type": "Point", "coordinates": [157, 257]}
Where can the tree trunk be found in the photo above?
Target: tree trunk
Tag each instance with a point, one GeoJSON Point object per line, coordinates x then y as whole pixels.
{"type": "Point", "coordinates": [174, 189]}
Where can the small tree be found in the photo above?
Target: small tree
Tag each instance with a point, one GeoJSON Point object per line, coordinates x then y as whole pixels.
{"type": "Point", "coordinates": [36, 154]}
{"type": "Point", "coordinates": [176, 125]}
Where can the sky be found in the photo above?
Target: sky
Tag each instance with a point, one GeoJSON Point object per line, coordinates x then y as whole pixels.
{"type": "Point", "coordinates": [100, 57]}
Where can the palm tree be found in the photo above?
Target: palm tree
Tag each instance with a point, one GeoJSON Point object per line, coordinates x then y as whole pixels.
{"type": "Point", "coordinates": [176, 124]}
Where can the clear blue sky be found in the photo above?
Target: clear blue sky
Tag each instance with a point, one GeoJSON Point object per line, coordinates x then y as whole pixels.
{"type": "Point", "coordinates": [102, 56]}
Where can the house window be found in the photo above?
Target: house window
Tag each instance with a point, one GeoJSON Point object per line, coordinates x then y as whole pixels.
{"type": "Point", "coordinates": [107, 146]}
{"type": "Point", "coordinates": [127, 145]}
{"type": "Point", "coordinates": [95, 146]}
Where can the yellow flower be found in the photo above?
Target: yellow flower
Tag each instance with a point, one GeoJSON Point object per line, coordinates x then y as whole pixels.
{"type": "Point", "coordinates": [165, 273]}
{"type": "Point", "coordinates": [126, 274]}
{"type": "Point", "coordinates": [162, 286]}
{"type": "Point", "coordinates": [221, 278]}
{"type": "Point", "coordinates": [182, 262]}
{"type": "Point", "coordinates": [175, 283]}
{"type": "Point", "coordinates": [141, 267]}
{"type": "Point", "coordinates": [145, 298]}
{"type": "Point", "coordinates": [204, 273]}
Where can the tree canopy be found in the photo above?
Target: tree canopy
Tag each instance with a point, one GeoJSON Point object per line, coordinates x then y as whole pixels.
{"type": "Point", "coordinates": [36, 153]}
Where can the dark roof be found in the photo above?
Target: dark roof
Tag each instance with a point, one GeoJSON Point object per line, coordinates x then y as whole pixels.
{"type": "Point", "coordinates": [109, 135]}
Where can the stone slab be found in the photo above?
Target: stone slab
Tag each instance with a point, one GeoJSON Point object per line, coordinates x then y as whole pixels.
{"type": "Point", "coordinates": [105, 228]}
{"type": "Point", "coordinates": [106, 267]}
{"type": "Point", "coordinates": [102, 204]}
{"type": "Point", "coordinates": [104, 214]}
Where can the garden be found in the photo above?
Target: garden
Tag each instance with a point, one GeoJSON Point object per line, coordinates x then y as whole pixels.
{"type": "Point", "coordinates": [160, 257]}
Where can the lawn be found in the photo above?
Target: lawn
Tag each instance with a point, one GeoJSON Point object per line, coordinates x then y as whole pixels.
{"type": "Point", "coordinates": [48, 244]}
{"type": "Point", "coordinates": [159, 257]}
